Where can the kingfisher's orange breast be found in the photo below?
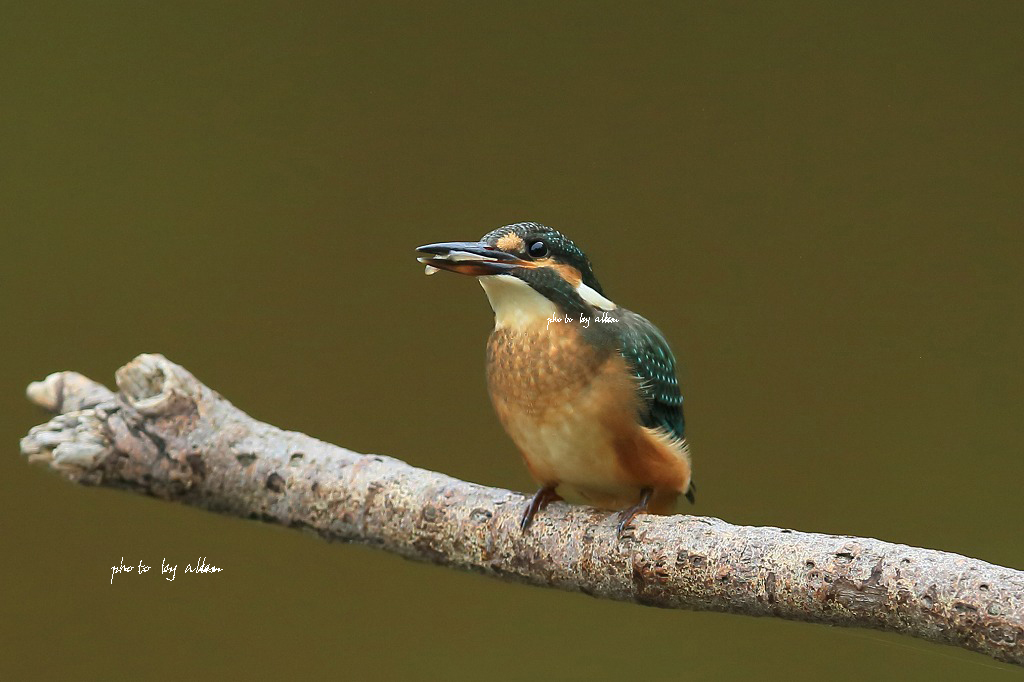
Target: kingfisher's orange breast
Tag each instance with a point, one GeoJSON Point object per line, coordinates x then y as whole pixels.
{"type": "Point", "coordinates": [571, 409]}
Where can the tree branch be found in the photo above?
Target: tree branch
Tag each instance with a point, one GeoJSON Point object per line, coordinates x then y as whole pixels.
{"type": "Point", "coordinates": [167, 435]}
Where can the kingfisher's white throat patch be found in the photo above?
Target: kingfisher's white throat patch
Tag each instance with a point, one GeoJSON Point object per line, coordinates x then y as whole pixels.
{"type": "Point", "coordinates": [515, 303]}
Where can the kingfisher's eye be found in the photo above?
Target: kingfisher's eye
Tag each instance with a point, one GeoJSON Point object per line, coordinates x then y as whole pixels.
{"type": "Point", "coordinates": [538, 249]}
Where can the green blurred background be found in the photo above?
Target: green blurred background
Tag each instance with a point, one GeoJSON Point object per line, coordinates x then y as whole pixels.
{"type": "Point", "coordinates": [819, 203]}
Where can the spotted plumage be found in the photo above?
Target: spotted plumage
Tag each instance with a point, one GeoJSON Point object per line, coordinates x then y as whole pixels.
{"type": "Point", "coordinates": [648, 354]}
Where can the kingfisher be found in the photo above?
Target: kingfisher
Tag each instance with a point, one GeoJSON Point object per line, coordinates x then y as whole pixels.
{"type": "Point", "coordinates": [586, 389]}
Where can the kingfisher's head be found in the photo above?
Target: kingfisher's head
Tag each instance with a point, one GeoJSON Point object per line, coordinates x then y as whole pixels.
{"type": "Point", "coordinates": [528, 270]}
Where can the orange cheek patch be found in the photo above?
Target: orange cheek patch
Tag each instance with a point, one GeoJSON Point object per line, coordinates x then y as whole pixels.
{"type": "Point", "coordinates": [568, 273]}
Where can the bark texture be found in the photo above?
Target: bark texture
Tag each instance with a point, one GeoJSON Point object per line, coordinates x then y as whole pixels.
{"type": "Point", "coordinates": [167, 435]}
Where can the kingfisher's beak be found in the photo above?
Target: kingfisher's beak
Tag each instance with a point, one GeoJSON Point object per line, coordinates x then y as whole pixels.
{"type": "Point", "coordinates": [469, 258]}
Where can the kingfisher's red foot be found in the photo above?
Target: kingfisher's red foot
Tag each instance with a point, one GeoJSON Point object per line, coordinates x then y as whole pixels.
{"type": "Point", "coordinates": [626, 515]}
{"type": "Point", "coordinates": [539, 501]}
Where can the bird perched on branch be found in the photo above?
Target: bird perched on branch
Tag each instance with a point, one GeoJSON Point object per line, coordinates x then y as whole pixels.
{"type": "Point", "coordinates": [586, 389]}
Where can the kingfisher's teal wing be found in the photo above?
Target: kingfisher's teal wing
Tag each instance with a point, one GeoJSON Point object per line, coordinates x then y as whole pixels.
{"type": "Point", "coordinates": [647, 353]}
